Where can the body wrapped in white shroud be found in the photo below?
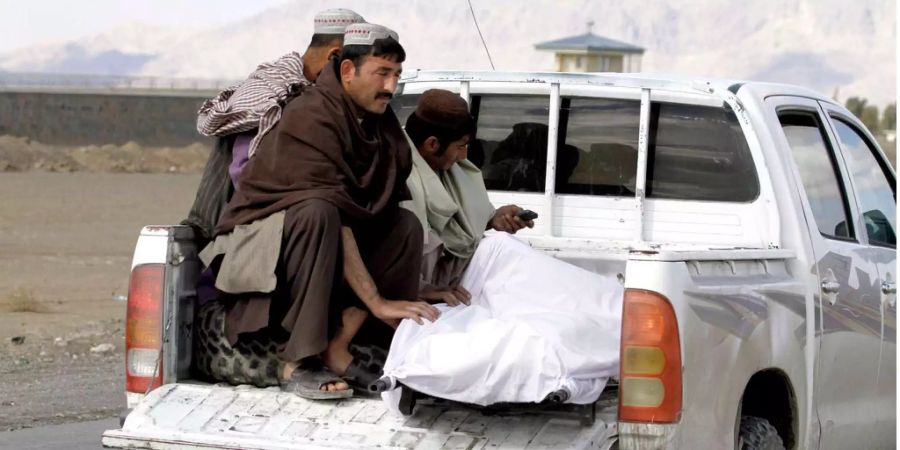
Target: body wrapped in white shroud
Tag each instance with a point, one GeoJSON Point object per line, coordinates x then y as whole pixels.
{"type": "Point", "coordinates": [536, 325]}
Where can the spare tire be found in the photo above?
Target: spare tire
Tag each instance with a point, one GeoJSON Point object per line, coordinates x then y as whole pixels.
{"type": "Point", "coordinates": [757, 433]}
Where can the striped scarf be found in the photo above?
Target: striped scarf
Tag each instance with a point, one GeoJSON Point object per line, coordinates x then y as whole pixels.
{"type": "Point", "coordinates": [254, 103]}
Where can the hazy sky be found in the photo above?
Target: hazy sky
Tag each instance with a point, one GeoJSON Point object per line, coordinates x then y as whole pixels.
{"type": "Point", "coordinates": [30, 22]}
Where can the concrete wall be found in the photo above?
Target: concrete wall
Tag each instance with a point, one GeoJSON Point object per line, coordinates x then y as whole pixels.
{"type": "Point", "coordinates": [105, 117]}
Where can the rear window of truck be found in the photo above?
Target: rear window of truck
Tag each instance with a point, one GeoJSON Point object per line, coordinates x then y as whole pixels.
{"type": "Point", "coordinates": [694, 153]}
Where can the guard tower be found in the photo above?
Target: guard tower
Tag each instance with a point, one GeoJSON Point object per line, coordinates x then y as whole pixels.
{"type": "Point", "coordinates": [592, 53]}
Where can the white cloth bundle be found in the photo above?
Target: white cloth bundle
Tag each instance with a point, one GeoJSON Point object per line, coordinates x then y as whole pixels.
{"type": "Point", "coordinates": [536, 325]}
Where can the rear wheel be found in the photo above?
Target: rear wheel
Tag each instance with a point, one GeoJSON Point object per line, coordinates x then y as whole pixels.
{"type": "Point", "coordinates": [757, 433]}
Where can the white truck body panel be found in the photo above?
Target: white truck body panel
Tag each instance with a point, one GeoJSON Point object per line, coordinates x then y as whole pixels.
{"type": "Point", "coordinates": [151, 247]}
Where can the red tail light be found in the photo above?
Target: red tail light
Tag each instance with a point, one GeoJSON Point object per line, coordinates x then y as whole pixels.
{"type": "Point", "coordinates": [143, 328]}
{"type": "Point", "coordinates": [650, 360]}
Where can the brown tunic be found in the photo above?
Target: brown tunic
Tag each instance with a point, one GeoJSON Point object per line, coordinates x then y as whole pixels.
{"type": "Point", "coordinates": [321, 150]}
{"type": "Point", "coordinates": [322, 168]}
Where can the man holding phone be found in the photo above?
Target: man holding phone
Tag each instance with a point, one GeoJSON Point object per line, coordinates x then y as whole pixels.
{"type": "Point", "coordinates": [449, 196]}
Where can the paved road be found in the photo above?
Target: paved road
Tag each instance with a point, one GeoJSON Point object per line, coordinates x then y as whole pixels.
{"type": "Point", "coordinates": [69, 436]}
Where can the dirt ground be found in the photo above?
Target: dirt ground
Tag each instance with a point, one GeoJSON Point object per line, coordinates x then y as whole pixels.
{"type": "Point", "coordinates": [18, 154]}
{"type": "Point", "coordinates": [66, 241]}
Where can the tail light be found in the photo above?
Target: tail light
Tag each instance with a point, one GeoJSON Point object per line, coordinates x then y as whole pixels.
{"type": "Point", "coordinates": [143, 328]}
{"type": "Point", "coordinates": [650, 360]}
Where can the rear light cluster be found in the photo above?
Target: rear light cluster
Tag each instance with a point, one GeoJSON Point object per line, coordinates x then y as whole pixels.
{"type": "Point", "coordinates": [143, 328]}
{"type": "Point", "coordinates": [650, 352]}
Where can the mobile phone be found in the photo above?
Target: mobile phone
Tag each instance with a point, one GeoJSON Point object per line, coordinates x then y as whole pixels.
{"type": "Point", "coordinates": [527, 214]}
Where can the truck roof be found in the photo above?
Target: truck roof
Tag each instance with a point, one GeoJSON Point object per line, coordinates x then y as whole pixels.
{"type": "Point", "coordinates": [638, 80]}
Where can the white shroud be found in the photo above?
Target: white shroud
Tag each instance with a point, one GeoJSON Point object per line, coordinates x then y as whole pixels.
{"type": "Point", "coordinates": [536, 325]}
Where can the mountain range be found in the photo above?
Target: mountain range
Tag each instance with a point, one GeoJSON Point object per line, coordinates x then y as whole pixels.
{"type": "Point", "coordinates": [834, 46]}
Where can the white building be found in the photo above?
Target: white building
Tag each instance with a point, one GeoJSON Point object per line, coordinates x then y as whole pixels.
{"type": "Point", "coordinates": [591, 53]}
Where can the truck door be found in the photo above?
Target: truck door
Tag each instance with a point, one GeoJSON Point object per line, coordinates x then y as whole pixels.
{"type": "Point", "coordinates": [847, 301]}
{"type": "Point", "coordinates": [874, 188]}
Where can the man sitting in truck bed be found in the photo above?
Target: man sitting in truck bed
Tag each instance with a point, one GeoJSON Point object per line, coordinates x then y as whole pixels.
{"type": "Point", "coordinates": [241, 115]}
{"type": "Point", "coordinates": [450, 200]}
{"type": "Point", "coordinates": [322, 194]}
{"type": "Point", "coordinates": [448, 194]}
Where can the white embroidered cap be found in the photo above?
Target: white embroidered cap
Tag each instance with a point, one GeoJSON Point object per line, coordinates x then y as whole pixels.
{"type": "Point", "coordinates": [334, 21]}
{"type": "Point", "coordinates": [367, 34]}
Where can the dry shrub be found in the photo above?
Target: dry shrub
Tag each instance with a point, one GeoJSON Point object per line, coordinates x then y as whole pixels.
{"type": "Point", "coordinates": [24, 300]}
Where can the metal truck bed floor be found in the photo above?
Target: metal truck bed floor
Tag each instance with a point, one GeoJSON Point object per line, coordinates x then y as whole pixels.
{"type": "Point", "coordinates": [180, 416]}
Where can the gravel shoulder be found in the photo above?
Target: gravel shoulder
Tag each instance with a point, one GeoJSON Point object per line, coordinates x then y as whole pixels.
{"type": "Point", "coordinates": [66, 241]}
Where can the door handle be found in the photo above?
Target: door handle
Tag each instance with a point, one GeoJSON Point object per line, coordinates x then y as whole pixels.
{"type": "Point", "coordinates": [831, 287]}
{"type": "Point", "coordinates": [889, 294]}
{"type": "Point", "coordinates": [830, 290]}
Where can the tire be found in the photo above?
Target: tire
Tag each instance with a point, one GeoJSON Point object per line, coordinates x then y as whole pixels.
{"type": "Point", "coordinates": [757, 433]}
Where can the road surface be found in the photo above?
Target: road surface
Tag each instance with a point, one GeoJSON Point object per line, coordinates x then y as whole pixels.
{"type": "Point", "coordinates": [68, 436]}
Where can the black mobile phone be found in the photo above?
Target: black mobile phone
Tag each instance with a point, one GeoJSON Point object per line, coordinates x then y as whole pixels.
{"type": "Point", "coordinates": [527, 214]}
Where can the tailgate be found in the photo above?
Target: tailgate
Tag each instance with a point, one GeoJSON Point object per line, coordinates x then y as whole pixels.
{"type": "Point", "coordinates": [177, 416]}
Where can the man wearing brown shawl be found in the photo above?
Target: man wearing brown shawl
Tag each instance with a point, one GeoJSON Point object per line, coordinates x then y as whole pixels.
{"type": "Point", "coordinates": [314, 232]}
{"type": "Point", "coordinates": [239, 116]}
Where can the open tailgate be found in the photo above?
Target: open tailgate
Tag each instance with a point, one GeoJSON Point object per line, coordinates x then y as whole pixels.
{"type": "Point", "coordinates": [188, 416]}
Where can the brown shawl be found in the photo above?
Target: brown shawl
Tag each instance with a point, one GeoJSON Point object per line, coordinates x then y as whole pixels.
{"type": "Point", "coordinates": [321, 150]}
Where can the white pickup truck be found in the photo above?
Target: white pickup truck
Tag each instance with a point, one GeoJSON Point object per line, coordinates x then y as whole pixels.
{"type": "Point", "coordinates": [752, 224]}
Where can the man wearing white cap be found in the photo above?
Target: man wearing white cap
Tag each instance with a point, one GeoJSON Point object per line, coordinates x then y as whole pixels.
{"type": "Point", "coordinates": [314, 240]}
{"type": "Point", "coordinates": [239, 116]}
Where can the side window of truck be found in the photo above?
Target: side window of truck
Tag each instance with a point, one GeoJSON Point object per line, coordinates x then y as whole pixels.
{"type": "Point", "coordinates": [872, 182]}
{"type": "Point", "coordinates": [510, 145]}
{"type": "Point", "coordinates": [694, 153]}
{"type": "Point", "coordinates": [818, 173]}
{"type": "Point", "coordinates": [699, 153]}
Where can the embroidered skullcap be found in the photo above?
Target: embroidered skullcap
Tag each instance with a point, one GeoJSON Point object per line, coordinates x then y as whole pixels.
{"type": "Point", "coordinates": [367, 34]}
{"type": "Point", "coordinates": [335, 21]}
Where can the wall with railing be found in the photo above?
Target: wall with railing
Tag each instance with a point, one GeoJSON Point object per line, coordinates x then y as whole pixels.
{"type": "Point", "coordinates": [99, 110]}
{"type": "Point", "coordinates": [77, 82]}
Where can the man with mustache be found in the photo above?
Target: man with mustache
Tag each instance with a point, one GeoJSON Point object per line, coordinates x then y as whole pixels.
{"type": "Point", "coordinates": [314, 241]}
{"type": "Point", "coordinates": [241, 115]}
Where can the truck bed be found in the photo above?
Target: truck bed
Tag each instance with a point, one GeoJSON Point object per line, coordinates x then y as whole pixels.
{"type": "Point", "coordinates": [193, 416]}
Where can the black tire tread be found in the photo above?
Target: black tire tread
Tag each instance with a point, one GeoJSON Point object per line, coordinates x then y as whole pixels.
{"type": "Point", "coordinates": [757, 433]}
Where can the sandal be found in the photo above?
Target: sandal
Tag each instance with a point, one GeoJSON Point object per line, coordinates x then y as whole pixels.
{"type": "Point", "coordinates": [307, 382]}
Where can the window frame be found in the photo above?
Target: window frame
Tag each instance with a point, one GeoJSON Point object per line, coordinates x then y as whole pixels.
{"type": "Point", "coordinates": [837, 162]}
{"type": "Point", "coordinates": [876, 152]}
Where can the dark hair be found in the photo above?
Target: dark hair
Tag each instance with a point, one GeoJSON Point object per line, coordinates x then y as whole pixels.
{"type": "Point", "coordinates": [320, 40]}
{"type": "Point", "coordinates": [420, 130]}
{"type": "Point", "coordinates": [380, 48]}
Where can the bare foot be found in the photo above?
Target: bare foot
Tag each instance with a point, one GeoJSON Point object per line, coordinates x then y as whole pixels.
{"type": "Point", "coordinates": [342, 386]}
{"type": "Point", "coordinates": [337, 355]}
{"type": "Point", "coordinates": [337, 358]}
{"type": "Point", "coordinates": [288, 369]}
